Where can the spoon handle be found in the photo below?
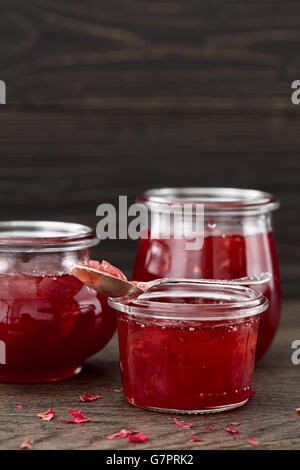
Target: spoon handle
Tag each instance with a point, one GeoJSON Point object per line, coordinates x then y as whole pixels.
{"type": "Point", "coordinates": [261, 278]}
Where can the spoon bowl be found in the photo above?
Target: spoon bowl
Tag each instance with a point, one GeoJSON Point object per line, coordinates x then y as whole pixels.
{"type": "Point", "coordinates": [105, 283]}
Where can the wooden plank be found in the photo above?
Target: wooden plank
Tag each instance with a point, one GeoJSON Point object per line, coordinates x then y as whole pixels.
{"type": "Point", "coordinates": [150, 55]}
{"type": "Point", "coordinates": [62, 165]}
{"type": "Point", "coordinates": [269, 417]}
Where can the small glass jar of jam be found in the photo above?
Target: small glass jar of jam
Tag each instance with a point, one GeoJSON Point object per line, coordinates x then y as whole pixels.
{"type": "Point", "coordinates": [49, 321]}
{"type": "Point", "coordinates": [189, 346]}
{"type": "Point", "coordinates": [238, 241]}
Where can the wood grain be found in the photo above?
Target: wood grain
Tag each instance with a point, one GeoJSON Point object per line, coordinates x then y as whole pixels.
{"type": "Point", "coordinates": [62, 165]}
{"type": "Point", "coordinates": [269, 417]}
{"type": "Point", "coordinates": [110, 98]}
{"type": "Point", "coordinates": [189, 55]}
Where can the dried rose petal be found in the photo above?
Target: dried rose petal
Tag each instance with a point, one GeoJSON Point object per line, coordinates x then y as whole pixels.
{"type": "Point", "coordinates": [118, 390]}
{"type": "Point", "coordinates": [232, 430]}
{"type": "Point", "coordinates": [253, 442]}
{"type": "Point", "coordinates": [252, 393]}
{"type": "Point", "coordinates": [235, 424]}
{"type": "Point", "coordinates": [47, 415]}
{"type": "Point", "coordinates": [141, 285]}
{"type": "Point", "coordinates": [87, 397]}
{"type": "Point", "coordinates": [78, 416]}
{"type": "Point", "coordinates": [26, 444]}
{"type": "Point", "coordinates": [182, 425]}
{"type": "Point", "coordinates": [196, 439]}
{"type": "Point", "coordinates": [58, 427]}
{"type": "Point", "coordinates": [123, 433]}
{"type": "Point", "coordinates": [20, 407]}
{"type": "Point", "coordinates": [139, 437]}
{"type": "Point", "coordinates": [209, 427]}
{"type": "Point", "coordinates": [112, 270]}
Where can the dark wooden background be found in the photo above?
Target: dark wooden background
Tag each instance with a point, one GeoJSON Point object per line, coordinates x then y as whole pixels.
{"type": "Point", "coordinates": [113, 97]}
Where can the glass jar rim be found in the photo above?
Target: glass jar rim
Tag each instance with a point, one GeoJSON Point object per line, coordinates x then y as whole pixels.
{"type": "Point", "coordinates": [216, 200]}
{"type": "Point", "coordinates": [232, 302]}
{"type": "Point", "coordinates": [45, 236]}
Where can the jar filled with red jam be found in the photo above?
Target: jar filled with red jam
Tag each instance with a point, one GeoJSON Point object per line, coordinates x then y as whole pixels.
{"type": "Point", "coordinates": [237, 241]}
{"type": "Point", "coordinates": [50, 322]}
{"type": "Point", "coordinates": [189, 346]}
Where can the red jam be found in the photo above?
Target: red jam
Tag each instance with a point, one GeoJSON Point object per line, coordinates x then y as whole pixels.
{"type": "Point", "coordinates": [50, 322]}
{"type": "Point", "coordinates": [49, 325]}
{"type": "Point", "coordinates": [200, 364]}
{"type": "Point", "coordinates": [221, 257]}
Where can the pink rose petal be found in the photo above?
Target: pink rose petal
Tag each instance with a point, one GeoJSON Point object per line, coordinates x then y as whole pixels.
{"type": "Point", "coordinates": [181, 424]}
{"type": "Point", "coordinates": [27, 444]}
{"type": "Point", "coordinates": [196, 439]}
{"type": "Point", "coordinates": [232, 430]}
{"type": "Point", "coordinates": [78, 416]}
{"type": "Point", "coordinates": [139, 437]}
{"type": "Point", "coordinates": [47, 415]}
{"type": "Point", "coordinates": [123, 433]}
{"type": "Point", "coordinates": [253, 442]}
{"type": "Point", "coordinates": [87, 397]}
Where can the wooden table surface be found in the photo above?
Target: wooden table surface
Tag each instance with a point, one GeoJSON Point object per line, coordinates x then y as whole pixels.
{"type": "Point", "coordinates": [269, 417]}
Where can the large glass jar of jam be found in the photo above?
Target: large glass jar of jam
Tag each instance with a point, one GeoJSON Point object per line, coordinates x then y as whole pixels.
{"type": "Point", "coordinates": [189, 346]}
{"type": "Point", "coordinates": [49, 321]}
{"type": "Point", "coordinates": [238, 241]}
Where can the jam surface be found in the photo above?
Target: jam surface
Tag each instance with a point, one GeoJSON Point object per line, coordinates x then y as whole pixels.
{"type": "Point", "coordinates": [49, 325]}
{"type": "Point", "coordinates": [187, 366]}
{"type": "Point", "coordinates": [221, 257]}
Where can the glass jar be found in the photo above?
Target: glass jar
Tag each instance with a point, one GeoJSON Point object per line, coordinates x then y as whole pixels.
{"type": "Point", "coordinates": [49, 321]}
{"type": "Point", "coordinates": [189, 346]}
{"type": "Point", "coordinates": [238, 241]}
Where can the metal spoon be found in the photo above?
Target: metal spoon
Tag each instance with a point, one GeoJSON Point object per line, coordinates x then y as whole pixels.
{"type": "Point", "coordinates": [114, 287]}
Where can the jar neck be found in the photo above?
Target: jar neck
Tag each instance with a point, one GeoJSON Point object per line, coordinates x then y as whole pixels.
{"type": "Point", "coordinates": [218, 225]}
{"type": "Point", "coordinates": [179, 299]}
{"type": "Point", "coordinates": [45, 236]}
{"type": "Point", "coordinates": [216, 201]}
{"type": "Point", "coordinates": [238, 225]}
{"type": "Point", "coordinates": [41, 263]}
